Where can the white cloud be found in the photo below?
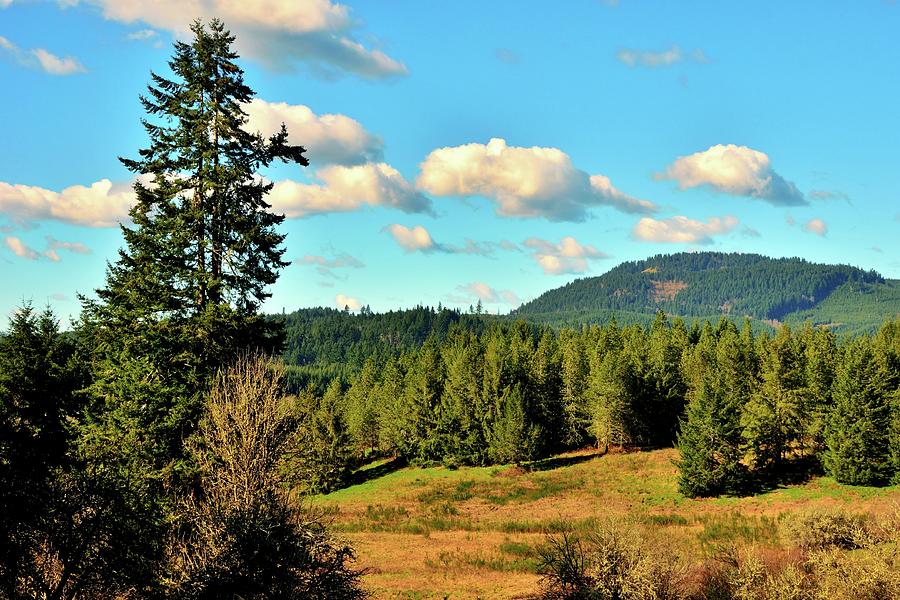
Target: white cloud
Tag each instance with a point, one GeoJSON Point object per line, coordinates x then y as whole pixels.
{"type": "Point", "coordinates": [5, 3]}
{"type": "Point", "coordinates": [102, 204]}
{"type": "Point", "coordinates": [340, 261]}
{"type": "Point", "coordinates": [418, 239]}
{"type": "Point", "coordinates": [735, 170]}
{"type": "Point", "coordinates": [649, 58]}
{"type": "Point", "coordinates": [342, 301]}
{"type": "Point", "coordinates": [57, 66]}
{"type": "Point", "coordinates": [329, 139]}
{"type": "Point", "coordinates": [816, 226]}
{"type": "Point", "coordinates": [411, 239]}
{"type": "Point", "coordinates": [568, 256]}
{"type": "Point", "coordinates": [523, 182]}
{"type": "Point", "coordinates": [344, 189]}
{"type": "Point", "coordinates": [40, 58]}
{"type": "Point", "coordinates": [19, 248]}
{"type": "Point", "coordinates": [682, 230]}
{"type": "Point", "coordinates": [479, 290]}
{"type": "Point", "coordinates": [53, 245]}
{"type": "Point", "coordinates": [144, 35]}
{"type": "Point", "coordinates": [278, 33]}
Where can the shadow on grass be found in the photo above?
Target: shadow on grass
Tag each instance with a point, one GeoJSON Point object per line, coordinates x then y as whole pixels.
{"type": "Point", "coordinates": [796, 471]}
{"type": "Point", "coordinates": [556, 462]}
{"type": "Point", "coordinates": [368, 474]}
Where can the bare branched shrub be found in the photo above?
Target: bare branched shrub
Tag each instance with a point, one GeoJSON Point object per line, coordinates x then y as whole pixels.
{"type": "Point", "coordinates": [239, 535]}
{"type": "Point", "coordinates": [244, 433]}
{"type": "Point", "coordinates": [609, 563]}
{"type": "Point", "coordinates": [819, 530]}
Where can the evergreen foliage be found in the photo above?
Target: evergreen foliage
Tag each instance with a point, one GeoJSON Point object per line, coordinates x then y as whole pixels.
{"type": "Point", "coordinates": [184, 293]}
{"type": "Point", "coordinates": [742, 408]}
{"type": "Point", "coordinates": [712, 284]}
{"type": "Point", "coordinates": [858, 433]}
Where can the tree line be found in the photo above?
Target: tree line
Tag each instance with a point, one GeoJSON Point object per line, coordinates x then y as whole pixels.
{"type": "Point", "coordinates": [742, 407]}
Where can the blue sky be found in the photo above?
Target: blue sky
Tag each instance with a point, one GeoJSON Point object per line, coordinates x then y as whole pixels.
{"type": "Point", "coordinates": [465, 150]}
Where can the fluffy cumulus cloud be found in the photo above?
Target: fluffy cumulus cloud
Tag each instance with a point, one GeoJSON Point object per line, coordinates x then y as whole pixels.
{"type": "Point", "coordinates": [344, 189]}
{"type": "Point", "coordinates": [682, 230]}
{"type": "Point", "coordinates": [39, 58]}
{"type": "Point", "coordinates": [101, 204]}
{"type": "Point", "coordinates": [328, 139]}
{"type": "Point", "coordinates": [735, 170]}
{"type": "Point", "coordinates": [567, 256]}
{"type": "Point", "coordinates": [816, 226]}
{"type": "Point", "coordinates": [278, 33]}
{"type": "Point", "coordinates": [342, 301]}
{"type": "Point", "coordinates": [411, 239]}
{"type": "Point", "coordinates": [478, 290]}
{"type": "Point", "coordinates": [523, 182]}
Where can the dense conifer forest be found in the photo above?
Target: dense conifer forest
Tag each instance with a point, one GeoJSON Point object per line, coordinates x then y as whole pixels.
{"type": "Point", "coordinates": [743, 408]}
{"type": "Point", "coordinates": [712, 284]}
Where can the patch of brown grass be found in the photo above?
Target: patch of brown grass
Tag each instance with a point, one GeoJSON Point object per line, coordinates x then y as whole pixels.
{"type": "Point", "coordinates": [424, 533]}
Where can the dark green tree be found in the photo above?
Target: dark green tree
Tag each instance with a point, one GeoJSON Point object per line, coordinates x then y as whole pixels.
{"type": "Point", "coordinates": [774, 418]}
{"type": "Point", "coordinates": [709, 441]}
{"type": "Point", "coordinates": [321, 450]}
{"type": "Point", "coordinates": [515, 438]}
{"type": "Point", "coordinates": [202, 248]}
{"type": "Point", "coordinates": [573, 382]}
{"type": "Point", "coordinates": [461, 406]}
{"type": "Point", "coordinates": [858, 432]}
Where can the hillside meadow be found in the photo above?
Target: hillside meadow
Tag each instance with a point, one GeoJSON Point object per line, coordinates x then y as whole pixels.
{"type": "Point", "coordinates": [477, 532]}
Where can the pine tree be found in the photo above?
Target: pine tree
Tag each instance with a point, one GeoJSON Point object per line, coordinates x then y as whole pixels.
{"type": "Point", "coordinates": [362, 421]}
{"type": "Point", "coordinates": [709, 441]}
{"type": "Point", "coordinates": [422, 395]}
{"type": "Point", "coordinates": [185, 291]}
{"type": "Point", "coordinates": [322, 454]}
{"type": "Point", "coordinates": [514, 438]}
{"type": "Point", "coordinates": [573, 380]}
{"type": "Point", "coordinates": [611, 393]}
{"type": "Point", "coordinates": [821, 355]}
{"type": "Point", "coordinates": [461, 407]}
{"type": "Point", "coordinates": [858, 431]}
{"type": "Point", "coordinates": [773, 419]}
{"type": "Point", "coordinates": [545, 386]}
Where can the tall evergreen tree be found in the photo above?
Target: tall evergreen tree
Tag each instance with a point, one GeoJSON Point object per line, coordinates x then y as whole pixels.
{"type": "Point", "coordinates": [773, 419]}
{"type": "Point", "coordinates": [184, 293]}
{"type": "Point", "coordinates": [858, 432]}
{"type": "Point", "coordinates": [573, 381]}
{"type": "Point", "coordinates": [461, 407]}
{"type": "Point", "coordinates": [709, 441]}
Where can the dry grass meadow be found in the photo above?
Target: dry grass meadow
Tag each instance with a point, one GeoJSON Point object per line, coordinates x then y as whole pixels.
{"type": "Point", "coordinates": [475, 532]}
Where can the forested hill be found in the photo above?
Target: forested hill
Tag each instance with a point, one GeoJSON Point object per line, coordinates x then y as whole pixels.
{"type": "Point", "coordinates": [711, 284]}
{"type": "Point", "coordinates": [323, 343]}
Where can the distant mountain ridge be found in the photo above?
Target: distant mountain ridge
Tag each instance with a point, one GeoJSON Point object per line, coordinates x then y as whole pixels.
{"type": "Point", "coordinates": [712, 284]}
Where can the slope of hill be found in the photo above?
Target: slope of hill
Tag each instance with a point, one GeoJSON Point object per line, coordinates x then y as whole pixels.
{"type": "Point", "coordinates": [712, 284]}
